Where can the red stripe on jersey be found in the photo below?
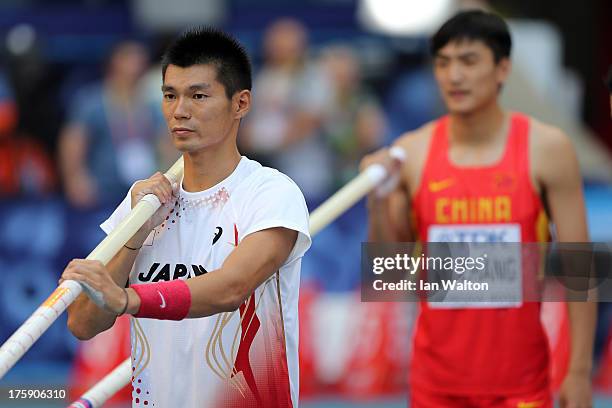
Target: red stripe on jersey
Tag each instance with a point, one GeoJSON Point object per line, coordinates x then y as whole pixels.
{"type": "Point", "coordinates": [250, 325]}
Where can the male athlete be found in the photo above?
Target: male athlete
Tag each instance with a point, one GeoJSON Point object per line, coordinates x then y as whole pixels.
{"type": "Point", "coordinates": [477, 173]}
{"type": "Point", "coordinates": [214, 274]}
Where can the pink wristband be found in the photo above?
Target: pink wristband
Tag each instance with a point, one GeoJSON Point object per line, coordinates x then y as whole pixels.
{"type": "Point", "coordinates": [163, 300]}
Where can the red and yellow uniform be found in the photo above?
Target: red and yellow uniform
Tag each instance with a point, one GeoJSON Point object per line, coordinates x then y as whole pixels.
{"type": "Point", "coordinates": [495, 351]}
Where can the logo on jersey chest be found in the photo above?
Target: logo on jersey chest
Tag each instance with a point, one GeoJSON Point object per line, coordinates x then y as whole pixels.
{"type": "Point", "coordinates": [439, 185]}
{"type": "Point", "coordinates": [167, 272]}
{"type": "Point", "coordinates": [504, 181]}
{"type": "Point", "coordinates": [452, 210]}
{"type": "Point", "coordinates": [218, 232]}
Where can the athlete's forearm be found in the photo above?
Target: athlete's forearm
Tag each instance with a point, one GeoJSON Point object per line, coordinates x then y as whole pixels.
{"type": "Point", "coordinates": [85, 319]}
{"type": "Point", "coordinates": [209, 294]}
{"type": "Point", "coordinates": [254, 261]}
{"type": "Point", "coordinates": [582, 319]}
{"type": "Point", "coordinates": [215, 292]}
{"type": "Point", "coordinates": [380, 226]}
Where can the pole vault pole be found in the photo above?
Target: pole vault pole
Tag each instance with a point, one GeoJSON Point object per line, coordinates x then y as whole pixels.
{"type": "Point", "coordinates": [21, 341]}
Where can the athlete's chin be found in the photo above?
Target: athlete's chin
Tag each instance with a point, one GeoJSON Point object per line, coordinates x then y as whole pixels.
{"type": "Point", "coordinates": [182, 145]}
{"type": "Point", "coordinates": [193, 145]}
{"type": "Point", "coordinates": [185, 148]}
{"type": "Point", "coordinates": [460, 110]}
{"type": "Point", "coordinates": [186, 142]}
{"type": "Point", "coordinates": [459, 107]}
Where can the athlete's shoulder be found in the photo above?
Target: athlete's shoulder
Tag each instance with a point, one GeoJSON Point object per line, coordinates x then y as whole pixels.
{"type": "Point", "coordinates": [262, 177]}
{"type": "Point", "coordinates": [418, 139]}
{"type": "Point", "coordinates": [548, 141]}
{"type": "Point", "coordinates": [552, 154]}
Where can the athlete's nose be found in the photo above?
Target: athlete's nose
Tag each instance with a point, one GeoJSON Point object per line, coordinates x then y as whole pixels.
{"type": "Point", "coordinates": [181, 110]}
{"type": "Point", "coordinates": [455, 73]}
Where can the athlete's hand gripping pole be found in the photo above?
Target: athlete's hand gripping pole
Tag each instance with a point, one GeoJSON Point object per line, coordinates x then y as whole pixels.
{"type": "Point", "coordinates": [20, 342]}
{"type": "Point", "coordinates": [374, 176]}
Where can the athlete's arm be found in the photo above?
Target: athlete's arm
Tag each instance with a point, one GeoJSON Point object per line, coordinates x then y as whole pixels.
{"type": "Point", "coordinates": [85, 318]}
{"type": "Point", "coordinates": [388, 217]}
{"type": "Point", "coordinates": [254, 260]}
{"type": "Point", "coordinates": [562, 187]}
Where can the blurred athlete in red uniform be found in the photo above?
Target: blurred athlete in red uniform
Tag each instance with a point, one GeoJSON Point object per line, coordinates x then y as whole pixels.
{"type": "Point", "coordinates": [485, 174]}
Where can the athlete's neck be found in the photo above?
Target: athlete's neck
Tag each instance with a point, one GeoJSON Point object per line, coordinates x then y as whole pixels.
{"type": "Point", "coordinates": [208, 167]}
{"type": "Point", "coordinates": [477, 127]}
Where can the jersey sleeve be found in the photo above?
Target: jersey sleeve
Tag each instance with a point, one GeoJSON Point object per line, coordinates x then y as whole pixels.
{"type": "Point", "coordinates": [276, 201]}
{"type": "Point", "coordinates": [122, 211]}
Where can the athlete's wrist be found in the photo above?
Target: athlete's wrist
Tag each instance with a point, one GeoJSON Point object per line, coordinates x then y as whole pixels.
{"type": "Point", "coordinates": [133, 302]}
{"type": "Point", "coordinates": [139, 238]}
{"type": "Point", "coordinates": [375, 202]}
{"type": "Point", "coordinates": [162, 300]}
{"type": "Point", "coordinates": [582, 370]}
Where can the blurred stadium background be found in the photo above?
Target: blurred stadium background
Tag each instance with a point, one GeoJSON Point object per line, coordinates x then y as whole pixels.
{"type": "Point", "coordinates": [334, 79]}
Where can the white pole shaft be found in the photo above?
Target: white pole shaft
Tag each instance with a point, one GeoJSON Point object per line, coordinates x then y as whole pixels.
{"type": "Point", "coordinates": [106, 388]}
{"type": "Point", "coordinates": [346, 197]}
{"type": "Point", "coordinates": [21, 341]}
{"type": "Point", "coordinates": [321, 217]}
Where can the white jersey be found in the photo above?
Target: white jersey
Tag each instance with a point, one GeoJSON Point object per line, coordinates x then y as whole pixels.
{"type": "Point", "coordinates": [246, 358]}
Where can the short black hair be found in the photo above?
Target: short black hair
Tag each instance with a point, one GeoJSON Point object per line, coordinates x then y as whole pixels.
{"type": "Point", "coordinates": [475, 25]}
{"type": "Point", "coordinates": [207, 45]}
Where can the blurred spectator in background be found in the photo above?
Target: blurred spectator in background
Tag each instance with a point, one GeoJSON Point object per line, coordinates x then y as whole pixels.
{"type": "Point", "coordinates": [112, 133]}
{"type": "Point", "coordinates": [151, 91]}
{"type": "Point", "coordinates": [355, 124]}
{"type": "Point", "coordinates": [413, 98]}
{"type": "Point", "coordinates": [291, 98]}
{"type": "Point", "coordinates": [25, 168]}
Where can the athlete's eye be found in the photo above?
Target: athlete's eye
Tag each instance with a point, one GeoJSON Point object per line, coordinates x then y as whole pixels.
{"type": "Point", "coordinates": [441, 63]}
{"type": "Point", "coordinates": [200, 96]}
{"type": "Point", "coordinates": [169, 96]}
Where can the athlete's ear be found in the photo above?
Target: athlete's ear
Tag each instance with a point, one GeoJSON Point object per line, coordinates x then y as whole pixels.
{"type": "Point", "coordinates": [504, 67]}
{"type": "Point", "coordinates": [241, 103]}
